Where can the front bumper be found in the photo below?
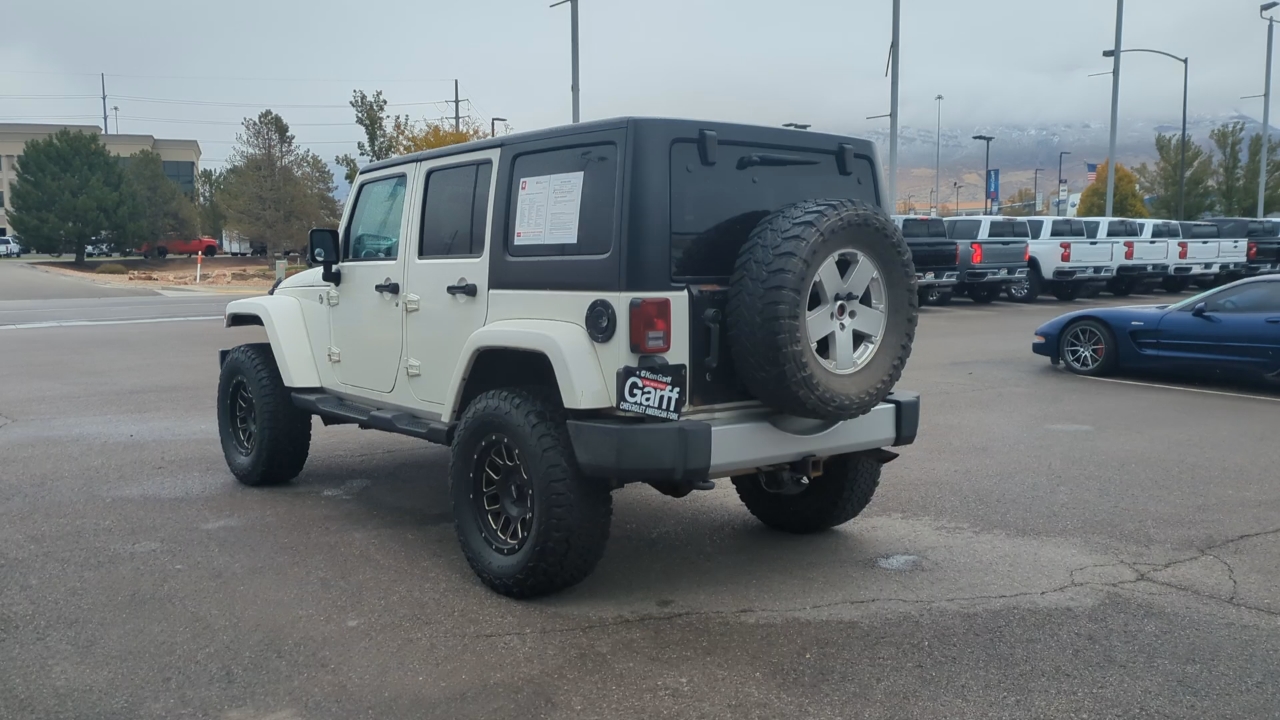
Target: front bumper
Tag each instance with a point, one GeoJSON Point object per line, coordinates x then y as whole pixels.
{"type": "Point", "coordinates": [1084, 273]}
{"type": "Point", "coordinates": [689, 451]}
{"type": "Point", "coordinates": [935, 279]}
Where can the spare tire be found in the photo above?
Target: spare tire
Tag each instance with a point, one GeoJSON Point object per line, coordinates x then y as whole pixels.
{"type": "Point", "coordinates": [823, 309]}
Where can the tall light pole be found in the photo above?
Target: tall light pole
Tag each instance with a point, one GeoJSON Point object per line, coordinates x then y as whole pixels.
{"type": "Point", "coordinates": [1115, 107]}
{"type": "Point", "coordinates": [986, 176]}
{"type": "Point", "coordinates": [1035, 191]}
{"type": "Point", "coordinates": [892, 180]}
{"type": "Point", "coordinates": [957, 186]}
{"type": "Point", "coordinates": [1182, 161]}
{"type": "Point", "coordinates": [493, 126]}
{"type": "Point", "coordinates": [573, 22]}
{"type": "Point", "coordinates": [1266, 110]}
{"type": "Point", "coordinates": [1061, 180]}
{"type": "Point", "coordinates": [937, 167]}
{"type": "Point", "coordinates": [116, 109]}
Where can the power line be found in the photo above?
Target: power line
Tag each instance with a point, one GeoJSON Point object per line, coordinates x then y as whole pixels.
{"type": "Point", "coordinates": [229, 123]}
{"type": "Point", "coordinates": [361, 81]}
{"type": "Point", "coordinates": [213, 103]}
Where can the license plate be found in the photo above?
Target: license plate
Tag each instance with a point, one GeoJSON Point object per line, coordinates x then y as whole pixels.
{"type": "Point", "coordinates": [929, 275]}
{"type": "Point", "coordinates": [1005, 271]}
{"type": "Point", "coordinates": [653, 391]}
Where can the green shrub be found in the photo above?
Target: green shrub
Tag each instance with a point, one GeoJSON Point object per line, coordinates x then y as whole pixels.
{"type": "Point", "coordinates": [111, 269]}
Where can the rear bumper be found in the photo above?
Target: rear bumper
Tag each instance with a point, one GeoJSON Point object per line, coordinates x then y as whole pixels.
{"type": "Point", "coordinates": [1193, 269]}
{"type": "Point", "coordinates": [1255, 268]}
{"type": "Point", "coordinates": [1084, 273]}
{"type": "Point", "coordinates": [994, 275]}
{"type": "Point", "coordinates": [1143, 270]}
{"type": "Point", "coordinates": [932, 278]}
{"type": "Point", "coordinates": [688, 451]}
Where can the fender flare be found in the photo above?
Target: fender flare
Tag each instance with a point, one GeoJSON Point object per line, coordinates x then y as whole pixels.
{"type": "Point", "coordinates": [286, 328]}
{"type": "Point", "coordinates": [567, 346]}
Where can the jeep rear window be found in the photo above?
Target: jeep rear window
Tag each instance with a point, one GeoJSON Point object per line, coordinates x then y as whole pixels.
{"type": "Point", "coordinates": [931, 228]}
{"type": "Point", "coordinates": [715, 207]}
{"type": "Point", "coordinates": [964, 229]}
{"type": "Point", "coordinates": [1007, 229]}
{"type": "Point", "coordinates": [599, 167]}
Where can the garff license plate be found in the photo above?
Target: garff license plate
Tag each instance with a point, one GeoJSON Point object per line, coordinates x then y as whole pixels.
{"type": "Point", "coordinates": [653, 391]}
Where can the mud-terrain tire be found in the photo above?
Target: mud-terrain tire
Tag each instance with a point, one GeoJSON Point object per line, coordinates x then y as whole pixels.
{"type": "Point", "coordinates": [833, 498]}
{"type": "Point", "coordinates": [252, 397]}
{"type": "Point", "coordinates": [775, 286]}
{"type": "Point", "coordinates": [564, 519]}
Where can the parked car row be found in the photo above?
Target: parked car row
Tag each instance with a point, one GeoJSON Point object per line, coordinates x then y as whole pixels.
{"type": "Point", "coordinates": [983, 257]}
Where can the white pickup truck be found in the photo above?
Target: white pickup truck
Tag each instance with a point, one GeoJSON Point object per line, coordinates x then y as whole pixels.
{"type": "Point", "coordinates": [1232, 253]}
{"type": "Point", "coordinates": [1139, 260]}
{"type": "Point", "coordinates": [1189, 260]}
{"type": "Point", "coordinates": [1064, 261]}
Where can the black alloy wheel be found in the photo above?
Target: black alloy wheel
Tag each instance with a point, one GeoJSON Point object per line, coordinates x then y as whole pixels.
{"type": "Point", "coordinates": [503, 495]}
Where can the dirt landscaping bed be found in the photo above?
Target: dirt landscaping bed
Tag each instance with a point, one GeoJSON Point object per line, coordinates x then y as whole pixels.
{"type": "Point", "coordinates": [216, 271]}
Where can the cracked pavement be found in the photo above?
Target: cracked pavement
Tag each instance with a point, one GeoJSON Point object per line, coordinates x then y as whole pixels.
{"type": "Point", "coordinates": [1051, 547]}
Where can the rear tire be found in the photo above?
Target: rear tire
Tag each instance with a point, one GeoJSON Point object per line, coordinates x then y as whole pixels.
{"type": "Point", "coordinates": [935, 296]}
{"type": "Point", "coordinates": [1066, 292]}
{"type": "Point", "coordinates": [265, 437]}
{"type": "Point", "coordinates": [1121, 287]}
{"type": "Point", "coordinates": [1028, 291]}
{"type": "Point", "coordinates": [823, 309]}
{"type": "Point", "coordinates": [1175, 284]}
{"type": "Point", "coordinates": [210, 251]}
{"type": "Point", "coordinates": [984, 294]}
{"type": "Point", "coordinates": [1088, 347]}
{"type": "Point", "coordinates": [833, 498]}
{"type": "Point", "coordinates": [540, 525]}
{"type": "Point", "coordinates": [162, 252]}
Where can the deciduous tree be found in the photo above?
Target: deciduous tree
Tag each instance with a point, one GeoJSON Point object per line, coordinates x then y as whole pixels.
{"type": "Point", "coordinates": [1249, 182]}
{"type": "Point", "coordinates": [1127, 201]}
{"type": "Point", "coordinates": [1228, 179]}
{"type": "Point", "coordinates": [372, 117]}
{"type": "Point", "coordinates": [1020, 204]}
{"type": "Point", "coordinates": [1160, 181]}
{"type": "Point", "coordinates": [67, 192]}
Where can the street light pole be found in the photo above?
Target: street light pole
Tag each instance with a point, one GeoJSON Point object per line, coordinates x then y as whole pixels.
{"type": "Point", "coordinates": [1115, 107]}
{"type": "Point", "coordinates": [1182, 162]}
{"type": "Point", "coordinates": [986, 176]}
{"type": "Point", "coordinates": [1266, 111]}
{"type": "Point", "coordinates": [1061, 180]}
{"type": "Point", "coordinates": [957, 186]}
{"type": "Point", "coordinates": [573, 23]}
{"type": "Point", "coordinates": [892, 180]}
{"type": "Point", "coordinates": [937, 168]}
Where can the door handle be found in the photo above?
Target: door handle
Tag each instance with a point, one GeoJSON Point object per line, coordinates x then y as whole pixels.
{"type": "Point", "coordinates": [387, 286]}
{"type": "Point", "coordinates": [1274, 320]}
{"type": "Point", "coordinates": [468, 289]}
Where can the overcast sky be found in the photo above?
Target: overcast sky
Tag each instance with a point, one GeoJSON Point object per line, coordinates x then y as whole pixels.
{"type": "Point", "coordinates": [816, 61]}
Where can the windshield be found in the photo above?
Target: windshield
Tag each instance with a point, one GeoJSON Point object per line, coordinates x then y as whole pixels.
{"type": "Point", "coordinates": [1191, 301]}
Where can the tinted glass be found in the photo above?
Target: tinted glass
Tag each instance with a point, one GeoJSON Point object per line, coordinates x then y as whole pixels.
{"type": "Point", "coordinates": [964, 229]}
{"type": "Point", "coordinates": [374, 230]}
{"type": "Point", "coordinates": [1261, 228]}
{"type": "Point", "coordinates": [931, 228]}
{"type": "Point", "coordinates": [1091, 228]}
{"type": "Point", "coordinates": [1200, 231]}
{"type": "Point", "coordinates": [1036, 226]}
{"type": "Point", "coordinates": [1007, 229]}
{"type": "Point", "coordinates": [1159, 230]}
{"type": "Point", "coordinates": [453, 216]}
{"type": "Point", "coordinates": [1067, 228]}
{"type": "Point", "coordinates": [596, 204]}
{"type": "Point", "coordinates": [715, 207]}
{"type": "Point", "coordinates": [1258, 297]}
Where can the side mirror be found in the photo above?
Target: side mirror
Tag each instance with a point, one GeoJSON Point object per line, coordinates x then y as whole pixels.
{"type": "Point", "coordinates": [322, 249]}
{"type": "Point", "coordinates": [1200, 309]}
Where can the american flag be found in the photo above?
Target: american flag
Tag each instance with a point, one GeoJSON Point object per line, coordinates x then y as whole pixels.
{"type": "Point", "coordinates": [1091, 171]}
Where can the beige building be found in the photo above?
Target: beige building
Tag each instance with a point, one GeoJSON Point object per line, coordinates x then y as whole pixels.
{"type": "Point", "coordinates": [181, 158]}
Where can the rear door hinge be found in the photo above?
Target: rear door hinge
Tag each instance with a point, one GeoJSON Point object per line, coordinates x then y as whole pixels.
{"type": "Point", "coordinates": [332, 297]}
{"type": "Point", "coordinates": [412, 368]}
{"type": "Point", "coordinates": [335, 355]}
{"type": "Point", "coordinates": [412, 303]}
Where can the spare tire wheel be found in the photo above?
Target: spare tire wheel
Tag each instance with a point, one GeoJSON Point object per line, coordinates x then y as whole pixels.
{"type": "Point", "coordinates": [823, 309]}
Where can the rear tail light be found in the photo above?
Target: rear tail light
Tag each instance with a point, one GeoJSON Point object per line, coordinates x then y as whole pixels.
{"type": "Point", "coordinates": [1066, 251]}
{"type": "Point", "coordinates": [1182, 251]}
{"type": "Point", "coordinates": [1253, 251]}
{"type": "Point", "coordinates": [1026, 253]}
{"type": "Point", "coordinates": [650, 325]}
{"type": "Point", "coordinates": [975, 253]}
{"type": "Point", "coordinates": [1128, 249]}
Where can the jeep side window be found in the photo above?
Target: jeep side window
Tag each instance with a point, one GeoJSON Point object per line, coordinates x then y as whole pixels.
{"type": "Point", "coordinates": [454, 211]}
{"type": "Point", "coordinates": [374, 230]}
{"type": "Point", "coordinates": [964, 229]}
{"type": "Point", "coordinates": [596, 206]}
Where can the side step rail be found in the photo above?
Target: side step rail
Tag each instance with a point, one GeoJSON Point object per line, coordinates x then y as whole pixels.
{"type": "Point", "coordinates": [336, 410]}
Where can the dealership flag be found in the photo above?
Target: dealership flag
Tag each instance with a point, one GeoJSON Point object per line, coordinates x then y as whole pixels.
{"type": "Point", "coordinates": [1091, 171]}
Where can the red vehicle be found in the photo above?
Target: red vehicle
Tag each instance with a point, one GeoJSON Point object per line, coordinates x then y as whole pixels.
{"type": "Point", "coordinates": [206, 246]}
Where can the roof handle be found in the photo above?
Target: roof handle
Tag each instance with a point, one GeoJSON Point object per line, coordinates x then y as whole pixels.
{"type": "Point", "coordinates": [707, 144]}
{"type": "Point", "coordinates": [844, 158]}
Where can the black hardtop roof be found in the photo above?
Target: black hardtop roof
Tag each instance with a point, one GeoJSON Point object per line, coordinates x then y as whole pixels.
{"type": "Point", "coordinates": [730, 131]}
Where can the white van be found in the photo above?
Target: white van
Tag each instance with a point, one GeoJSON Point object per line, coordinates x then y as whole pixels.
{"type": "Point", "coordinates": [1064, 261]}
{"type": "Point", "coordinates": [1139, 261]}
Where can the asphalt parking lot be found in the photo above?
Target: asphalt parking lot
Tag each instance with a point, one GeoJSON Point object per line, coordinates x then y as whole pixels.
{"type": "Point", "coordinates": [1052, 546]}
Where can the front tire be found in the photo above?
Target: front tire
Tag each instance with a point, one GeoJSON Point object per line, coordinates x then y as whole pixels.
{"type": "Point", "coordinates": [210, 251]}
{"type": "Point", "coordinates": [265, 437]}
{"type": "Point", "coordinates": [529, 522]}
{"type": "Point", "coordinates": [1088, 347]}
{"type": "Point", "coordinates": [833, 498]}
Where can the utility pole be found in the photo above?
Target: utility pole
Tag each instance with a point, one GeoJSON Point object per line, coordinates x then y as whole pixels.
{"type": "Point", "coordinates": [1266, 112]}
{"type": "Point", "coordinates": [457, 108]}
{"type": "Point", "coordinates": [894, 48]}
{"type": "Point", "coordinates": [105, 130]}
{"type": "Point", "coordinates": [937, 166]}
{"type": "Point", "coordinates": [116, 109]}
{"type": "Point", "coordinates": [1115, 107]}
{"type": "Point", "coordinates": [573, 51]}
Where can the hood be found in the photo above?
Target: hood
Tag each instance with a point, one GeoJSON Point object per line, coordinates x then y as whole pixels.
{"type": "Point", "coordinates": [306, 278]}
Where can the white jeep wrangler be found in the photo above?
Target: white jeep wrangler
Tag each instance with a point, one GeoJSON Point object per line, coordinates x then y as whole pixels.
{"type": "Point", "coordinates": [574, 309]}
